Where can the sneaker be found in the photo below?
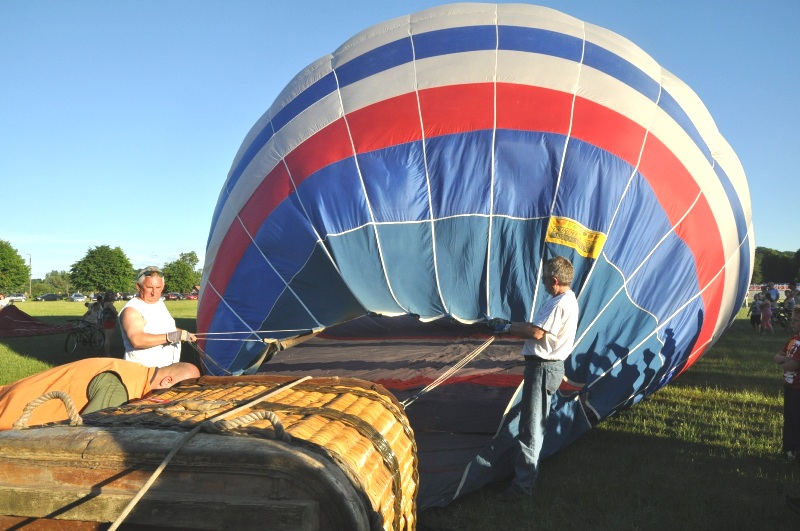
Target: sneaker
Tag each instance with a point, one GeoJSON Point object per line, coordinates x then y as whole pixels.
{"type": "Point", "coordinates": [512, 494]}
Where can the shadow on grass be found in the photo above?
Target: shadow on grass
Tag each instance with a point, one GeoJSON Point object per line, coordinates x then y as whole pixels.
{"type": "Point", "coordinates": [612, 480]}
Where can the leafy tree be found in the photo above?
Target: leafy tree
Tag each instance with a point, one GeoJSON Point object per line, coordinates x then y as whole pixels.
{"type": "Point", "coordinates": [55, 282]}
{"type": "Point", "coordinates": [774, 266]}
{"type": "Point", "coordinates": [796, 266]}
{"type": "Point", "coordinates": [14, 272]}
{"type": "Point", "coordinates": [103, 268]}
{"type": "Point", "coordinates": [180, 275]}
{"type": "Point", "coordinates": [190, 258]}
{"type": "Point", "coordinates": [757, 278]}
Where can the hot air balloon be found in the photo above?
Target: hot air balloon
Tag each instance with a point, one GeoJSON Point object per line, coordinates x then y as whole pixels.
{"type": "Point", "coordinates": [408, 187]}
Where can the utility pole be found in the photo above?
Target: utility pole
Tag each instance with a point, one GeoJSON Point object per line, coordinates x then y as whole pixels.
{"type": "Point", "coordinates": [30, 276]}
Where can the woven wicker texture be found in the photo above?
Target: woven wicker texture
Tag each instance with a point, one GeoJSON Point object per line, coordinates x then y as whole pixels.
{"type": "Point", "coordinates": [357, 424]}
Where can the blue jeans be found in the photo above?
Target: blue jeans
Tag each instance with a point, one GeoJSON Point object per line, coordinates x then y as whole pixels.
{"type": "Point", "coordinates": [541, 380]}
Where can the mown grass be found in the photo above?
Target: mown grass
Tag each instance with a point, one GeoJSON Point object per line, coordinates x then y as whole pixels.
{"type": "Point", "coordinates": [702, 453]}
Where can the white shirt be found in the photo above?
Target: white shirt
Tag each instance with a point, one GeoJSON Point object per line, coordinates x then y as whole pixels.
{"type": "Point", "coordinates": [559, 319]}
{"type": "Point", "coordinates": [157, 320]}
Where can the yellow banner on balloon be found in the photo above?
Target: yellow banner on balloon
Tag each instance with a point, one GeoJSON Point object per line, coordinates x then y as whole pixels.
{"type": "Point", "coordinates": [565, 231]}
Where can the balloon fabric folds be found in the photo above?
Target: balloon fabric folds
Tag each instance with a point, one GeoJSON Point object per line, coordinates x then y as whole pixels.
{"type": "Point", "coordinates": [431, 164]}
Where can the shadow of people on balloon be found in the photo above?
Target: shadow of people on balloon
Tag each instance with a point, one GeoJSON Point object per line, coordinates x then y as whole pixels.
{"type": "Point", "coordinates": [621, 380]}
{"type": "Point", "coordinates": [605, 385]}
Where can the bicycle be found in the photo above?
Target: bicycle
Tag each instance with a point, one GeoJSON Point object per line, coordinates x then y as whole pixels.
{"type": "Point", "coordinates": [85, 333]}
{"type": "Point", "coordinates": [781, 316]}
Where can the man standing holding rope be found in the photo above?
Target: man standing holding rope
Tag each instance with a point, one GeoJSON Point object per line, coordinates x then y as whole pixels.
{"type": "Point", "coordinates": [92, 384]}
{"type": "Point", "coordinates": [148, 330]}
{"type": "Point", "coordinates": [548, 342]}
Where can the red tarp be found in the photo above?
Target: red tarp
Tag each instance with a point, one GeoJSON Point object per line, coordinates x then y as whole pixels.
{"type": "Point", "coordinates": [16, 323]}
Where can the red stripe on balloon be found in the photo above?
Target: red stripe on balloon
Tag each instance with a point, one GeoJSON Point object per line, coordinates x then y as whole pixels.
{"type": "Point", "coordinates": [397, 120]}
{"type": "Point", "coordinates": [268, 195]}
{"type": "Point", "coordinates": [526, 108]}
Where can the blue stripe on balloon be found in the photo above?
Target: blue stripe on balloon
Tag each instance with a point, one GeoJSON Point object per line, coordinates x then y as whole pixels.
{"type": "Point", "coordinates": [395, 182]}
{"type": "Point", "coordinates": [545, 42]}
{"type": "Point", "coordinates": [615, 66]}
{"type": "Point", "coordinates": [375, 61]}
{"type": "Point", "coordinates": [454, 40]}
{"type": "Point", "coordinates": [456, 163]}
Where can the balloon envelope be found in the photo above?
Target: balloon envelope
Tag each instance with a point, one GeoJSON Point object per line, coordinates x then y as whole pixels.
{"type": "Point", "coordinates": [430, 165]}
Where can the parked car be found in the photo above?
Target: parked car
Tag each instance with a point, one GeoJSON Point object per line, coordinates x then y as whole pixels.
{"type": "Point", "coordinates": [16, 297]}
{"type": "Point", "coordinates": [49, 297]}
{"type": "Point", "coordinates": [173, 296]}
{"type": "Point", "coordinates": [190, 296]}
{"type": "Point", "coordinates": [128, 296]}
{"type": "Point", "coordinates": [77, 297]}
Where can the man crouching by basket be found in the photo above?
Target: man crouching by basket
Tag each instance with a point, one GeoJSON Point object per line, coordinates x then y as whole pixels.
{"type": "Point", "coordinates": [148, 330]}
{"type": "Point", "coordinates": [91, 384]}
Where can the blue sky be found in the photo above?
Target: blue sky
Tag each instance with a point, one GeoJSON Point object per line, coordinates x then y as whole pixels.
{"type": "Point", "coordinates": [119, 120]}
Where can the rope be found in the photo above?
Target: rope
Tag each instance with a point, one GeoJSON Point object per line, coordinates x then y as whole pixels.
{"type": "Point", "coordinates": [208, 360]}
{"type": "Point", "coordinates": [183, 441]}
{"type": "Point", "coordinates": [219, 426]}
{"type": "Point", "coordinates": [449, 372]}
{"type": "Point", "coordinates": [249, 332]}
{"type": "Point", "coordinates": [74, 418]}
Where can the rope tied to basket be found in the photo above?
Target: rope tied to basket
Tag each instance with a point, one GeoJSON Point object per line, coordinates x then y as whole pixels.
{"type": "Point", "coordinates": [186, 437]}
{"type": "Point", "coordinates": [448, 373]}
{"type": "Point", "coordinates": [220, 426]}
{"type": "Point", "coordinates": [74, 418]}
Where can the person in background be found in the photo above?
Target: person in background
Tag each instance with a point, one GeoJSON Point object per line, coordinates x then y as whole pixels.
{"type": "Point", "coordinates": [755, 312]}
{"type": "Point", "coordinates": [94, 311]}
{"type": "Point", "coordinates": [788, 302]}
{"type": "Point", "coordinates": [92, 384]}
{"type": "Point", "coordinates": [766, 314]}
{"type": "Point", "coordinates": [788, 359]}
{"type": "Point", "coordinates": [148, 330]}
{"type": "Point", "coordinates": [772, 293]}
{"type": "Point", "coordinates": [109, 320]}
{"type": "Point", "coordinates": [3, 301]}
{"type": "Point", "coordinates": [548, 342]}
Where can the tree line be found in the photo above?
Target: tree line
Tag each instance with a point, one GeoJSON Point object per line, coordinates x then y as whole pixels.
{"type": "Point", "coordinates": [776, 266]}
{"type": "Point", "coordinates": [103, 268]}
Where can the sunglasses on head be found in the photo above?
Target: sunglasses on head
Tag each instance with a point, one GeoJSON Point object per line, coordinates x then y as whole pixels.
{"type": "Point", "coordinates": [151, 273]}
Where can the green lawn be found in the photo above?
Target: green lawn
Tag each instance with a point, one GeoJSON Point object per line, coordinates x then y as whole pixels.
{"type": "Point", "coordinates": [703, 453]}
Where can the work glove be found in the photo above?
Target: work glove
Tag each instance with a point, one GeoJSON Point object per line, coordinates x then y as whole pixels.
{"type": "Point", "coordinates": [177, 336]}
{"type": "Point", "coordinates": [499, 326]}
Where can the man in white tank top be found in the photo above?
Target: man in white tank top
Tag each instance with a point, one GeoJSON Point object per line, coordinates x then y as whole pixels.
{"type": "Point", "coordinates": [148, 330]}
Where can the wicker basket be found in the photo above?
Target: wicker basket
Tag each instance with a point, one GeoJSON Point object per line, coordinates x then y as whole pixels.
{"type": "Point", "coordinates": [321, 454]}
{"type": "Point", "coordinates": [356, 423]}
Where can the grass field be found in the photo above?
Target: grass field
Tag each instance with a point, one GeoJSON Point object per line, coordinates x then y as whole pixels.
{"type": "Point", "coordinates": [703, 453]}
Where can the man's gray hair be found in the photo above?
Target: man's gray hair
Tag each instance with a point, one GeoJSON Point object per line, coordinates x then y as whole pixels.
{"type": "Point", "coordinates": [561, 268]}
{"type": "Point", "coordinates": [149, 271]}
